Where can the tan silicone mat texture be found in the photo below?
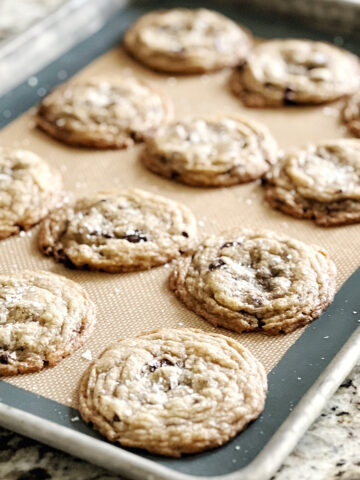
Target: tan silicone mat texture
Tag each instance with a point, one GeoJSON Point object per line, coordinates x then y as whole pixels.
{"type": "Point", "coordinates": [128, 304]}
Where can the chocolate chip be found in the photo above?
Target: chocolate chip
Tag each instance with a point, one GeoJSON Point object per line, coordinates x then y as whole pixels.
{"type": "Point", "coordinates": [35, 474]}
{"type": "Point", "coordinates": [264, 181]}
{"type": "Point", "coordinates": [347, 384]}
{"type": "Point", "coordinates": [340, 414]}
{"type": "Point", "coordinates": [174, 174]}
{"type": "Point", "coordinates": [135, 237]}
{"type": "Point", "coordinates": [79, 329]}
{"type": "Point", "coordinates": [185, 234]}
{"type": "Point", "coordinates": [217, 264]}
{"type": "Point", "coordinates": [241, 66]}
{"type": "Point", "coordinates": [98, 233]}
{"type": "Point", "coordinates": [289, 96]}
{"type": "Point", "coordinates": [4, 358]}
{"type": "Point", "coordinates": [261, 322]}
{"type": "Point", "coordinates": [116, 418]}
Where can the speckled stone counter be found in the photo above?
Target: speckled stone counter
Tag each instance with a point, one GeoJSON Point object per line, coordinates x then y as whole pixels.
{"type": "Point", "coordinates": [329, 450]}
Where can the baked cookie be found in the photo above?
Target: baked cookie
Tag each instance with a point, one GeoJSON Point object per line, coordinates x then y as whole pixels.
{"type": "Point", "coordinates": [29, 189]}
{"type": "Point", "coordinates": [248, 280]}
{"type": "Point", "coordinates": [173, 391]}
{"type": "Point", "coordinates": [103, 115]}
{"type": "Point", "coordinates": [351, 114]}
{"type": "Point", "coordinates": [119, 231]}
{"type": "Point", "coordinates": [43, 319]}
{"type": "Point", "coordinates": [211, 152]}
{"type": "Point", "coordinates": [320, 182]}
{"type": "Point", "coordinates": [287, 72]}
{"type": "Point", "coordinates": [187, 41]}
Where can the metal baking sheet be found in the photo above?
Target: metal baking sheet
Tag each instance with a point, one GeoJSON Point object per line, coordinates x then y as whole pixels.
{"type": "Point", "coordinates": [301, 379]}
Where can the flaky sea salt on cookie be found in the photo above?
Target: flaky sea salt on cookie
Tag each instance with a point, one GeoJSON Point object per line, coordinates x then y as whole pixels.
{"type": "Point", "coordinates": [351, 114]}
{"type": "Point", "coordinates": [218, 151]}
{"type": "Point", "coordinates": [29, 189]}
{"type": "Point", "coordinates": [43, 319]}
{"type": "Point", "coordinates": [187, 41]}
{"type": "Point", "coordinates": [100, 114]}
{"type": "Point", "coordinates": [248, 280]}
{"type": "Point", "coordinates": [320, 182]}
{"type": "Point", "coordinates": [173, 391]}
{"type": "Point", "coordinates": [119, 231]}
{"type": "Point", "coordinates": [288, 72]}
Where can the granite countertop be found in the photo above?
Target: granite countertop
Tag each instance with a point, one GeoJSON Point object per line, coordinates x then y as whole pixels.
{"type": "Point", "coordinates": [329, 450]}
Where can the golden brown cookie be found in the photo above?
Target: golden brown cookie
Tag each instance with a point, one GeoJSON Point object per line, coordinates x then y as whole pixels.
{"type": "Point", "coordinates": [248, 280]}
{"type": "Point", "coordinates": [183, 40]}
{"type": "Point", "coordinates": [29, 189]}
{"type": "Point", "coordinates": [212, 152]}
{"type": "Point", "coordinates": [119, 231]}
{"type": "Point", "coordinates": [351, 114]}
{"type": "Point", "coordinates": [320, 182]}
{"type": "Point", "coordinates": [43, 319]}
{"type": "Point", "coordinates": [173, 391]}
{"type": "Point", "coordinates": [100, 114]}
{"type": "Point", "coordinates": [289, 72]}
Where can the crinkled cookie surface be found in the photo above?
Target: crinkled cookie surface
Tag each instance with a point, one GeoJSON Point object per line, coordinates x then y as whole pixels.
{"type": "Point", "coordinates": [249, 280]}
{"type": "Point", "coordinates": [43, 318]}
{"type": "Point", "coordinates": [187, 41]}
{"type": "Point", "coordinates": [218, 151]}
{"type": "Point", "coordinates": [100, 114]}
{"type": "Point", "coordinates": [119, 231]}
{"type": "Point", "coordinates": [291, 71]}
{"type": "Point", "coordinates": [29, 189]}
{"type": "Point", "coordinates": [320, 182]}
{"type": "Point", "coordinates": [173, 391]}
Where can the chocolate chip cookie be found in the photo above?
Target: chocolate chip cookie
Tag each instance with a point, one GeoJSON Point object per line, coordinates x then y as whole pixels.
{"type": "Point", "coordinates": [248, 280]}
{"type": "Point", "coordinates": [173, 391]}
{"type": "Point", "coordinates": [211, 152]}
{"type": "Point", "coordinates": [119, 231]}
{"type": "Point", "coordinates": [187, 41]}
{"type": "Point", "coordinates": [43, 318]}
{"type": "Point", "coordinates": [100, 114]}
{"type": "Point", "coordinates": [320, 182]}
{"type": "Point", "coordinates": [29, 189]}
{"type": "Point", "coordinates": [288, 72]}
{"type": "Point", "coordinates": [351, 114]}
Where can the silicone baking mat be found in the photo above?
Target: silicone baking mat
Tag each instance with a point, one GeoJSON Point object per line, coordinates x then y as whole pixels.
{"type": "Point", "coordinates": [128, 304]}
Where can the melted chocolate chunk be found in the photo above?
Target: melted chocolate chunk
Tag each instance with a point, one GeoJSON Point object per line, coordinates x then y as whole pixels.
{"type": "Point", "coordinates": [135, 237]}
{"type": "Point", "coordinates": [116, 418]}
{"type": "Point", "coordinates": [97, 233]}
{"type": "Point", "coordinates": [174, 174]}
{"type": "Point", "coordinates": [217, 264]}
{"type": "Point", "coordinates": [185, 234]}
{"type": "Point", "coordinates": [35, 474]}
{"type": "Point", "coordinates": [347, 384]}
{"type": "Point", "coordinates": [4, 358]}
{"type": "Point", "coordinates": [289, 96]}
{"type": "Point", "coordinates": [241, 66]}
{"type": "Point", "coordinates": [261, 322]}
